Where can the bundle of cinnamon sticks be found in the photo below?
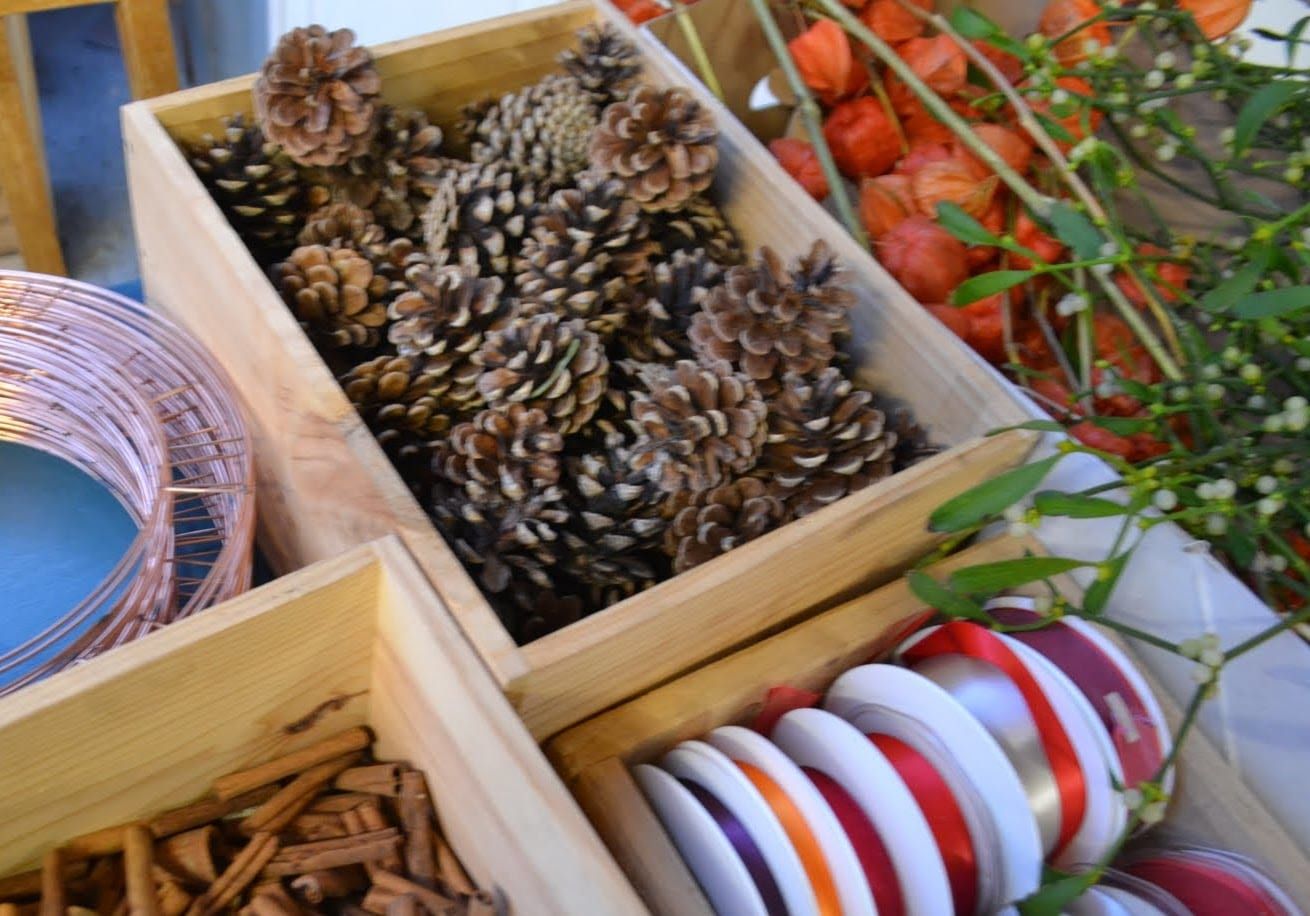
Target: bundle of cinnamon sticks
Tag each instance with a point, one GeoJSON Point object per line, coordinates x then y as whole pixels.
{"type": "Point", "coordinates": [322, 830]}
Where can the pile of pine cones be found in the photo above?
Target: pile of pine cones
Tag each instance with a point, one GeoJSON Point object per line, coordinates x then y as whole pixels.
{"type": "Point", "coordinates": [558, 340]}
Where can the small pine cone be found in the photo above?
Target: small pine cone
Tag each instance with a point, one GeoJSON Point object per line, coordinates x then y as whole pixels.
{"type": "Point", "coordinates": [335, 294]}
{"type": "Point", "coordinates": [586, 254]}
{"type": "Point", "coordinates": [343, 225]}
{"type": "Point", "coordinates": [540, 131]}
{"type": "Point", "coordinates": [557, 366]}
{"type": "Point", "coordinates": [255, 183]}
{"type": "Point", "coordinates": [503, 455]}
{"type": "Point", "coordinates": [393, 260]}
{"type": "Point", "coordinates": [398, 399]}
{"type": "Point", "coordinates": [699, 424]}
{"type": "Point", "coordinates": [674, 293]}
{"type": "Point", "coordinates": [444, 315]}
{"type": "Point", "coordinates": [479, 213]}
{"type": "Point", "coordinates": [661, 143]}
{"type": "Point", "coordinates": [508, 547]}
{"type": "Point", "coordinates": [697, 224]}
{"type": "Point", "coordinates": [768, 322]}
{"type": "Point", "coordinates": [316, 94]}
{"type": "Point", "coordinates": [826, 439]}
{"type": "Point", "coordinates": [605, 63]}
{"type": "Point", "coordinates": [712, 522]}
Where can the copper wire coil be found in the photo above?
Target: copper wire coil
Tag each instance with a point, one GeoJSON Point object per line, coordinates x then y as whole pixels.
{"type": "Point", "coordinates": [128, 398]}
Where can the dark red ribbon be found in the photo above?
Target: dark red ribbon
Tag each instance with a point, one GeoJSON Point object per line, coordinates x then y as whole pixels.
{"type": "Point", "coordinates": [749, 853]}
{"type": "Point", "coordinates": [1206, 889]}
{"type": "Point", "coordinates": [960, 637]}
{"type": "Point", "coordinates": [1097, 677]}
{"type": "Point", "coordinates": [869, 848]}
{"type": "Point", "coordinates": [942, 811]}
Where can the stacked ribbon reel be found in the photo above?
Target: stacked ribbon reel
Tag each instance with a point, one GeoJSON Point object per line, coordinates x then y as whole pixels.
{"type": "Point", "coordinates": [942, 784]}
{"type": "Point", "coordinates": [128, 398]}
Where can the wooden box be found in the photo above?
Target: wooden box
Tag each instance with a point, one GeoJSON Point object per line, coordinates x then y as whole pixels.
{"type": "Point", "coordinates": [326, 485]}
{"type": "Point", "coordinates": [358, 640]}
{"type": "Point", "coordinates": [1211, 804]}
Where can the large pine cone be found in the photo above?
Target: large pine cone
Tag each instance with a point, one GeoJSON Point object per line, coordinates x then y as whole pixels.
{"type": "Point", "coordinates": [699, 223]}
{"type": "Point", "coordinates": [540, 131]}
{"type": "Point", "coordinates": [587, 252]}
{"type": "Point", "coordinates": [699, 424]}
{"type": "Point", "coordinates": [674, 293]}
{"type": "Point", "coordinates": [344, 225]}
{"type": "Point", "coordinates": [335, 294]}
{"type": "Point", "coordinates": [315, 96]}
{"type": "Point", "coordinates": [400, 402]}
{"type": "Point", "coordinates": [393, 261]}
{"type": "Point", "coordinates": [826, 439]}
{"type": "Point", "coordinates": [479, 213]}
{"type": "Point", "coordinates": [396, 176]}
{"type": "Point", "coordinates": [712, 522]}
{"type": "Point", "coordinates": [556, 366]}
{"type": "Point", "coordinates": [256, 184]}
{"type": "Point", "coordinates": [661, 143]}
{"type": "Point", "coordinates": [443, 316]}
{"type": "Point", "coordinates": [604, 63]}
{"type": "Point", "coordinates": [767, 322]}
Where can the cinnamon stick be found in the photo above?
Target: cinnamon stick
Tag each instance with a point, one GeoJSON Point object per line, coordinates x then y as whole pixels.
{"type": "Point", "coordinates": [316, 886]}
{"type": "Point", "coordinates": [337, 804]}
{"type": "Point", "coordinates": [243, 869]}
{"type": "Point", "coordinates": [451, 870]}
{"type": "Point", "coordinates": [432, 901]}
{"type": "Point", "coordinates": [138, 866]}
{"type": "Point", "coordinates": [28, 883]}
{"type": "Point", "coordinates": [8, 909]}
{"type": "Point", "coordinates": [106, 879]}
{"type": "Point", "coordinates": [483, 904]}
{"type": "Point", "coordinates": [233, 784]}
{"type": "Point", "coordinates": [80, 911]}
{"type": "Point", "coordinates": [190, 855]}
{"type": "Point", "coordinates": [351, 850]}
{"type": "Point", "coordinates": [53, 898]}
{"type": "Point", "coordinates": [311, 826]}
{"type": "Point", "coordinates": [404, 905]}
{"type": "Point", "coordinates": [377, 900]}
{"type": "Point", "coordinates": [376, 779]}
{"type": "Point", "coordinates": [274, 815]}
{"type": "Point", "coordinates": [173, 900]}
{"type": "Point", "coordinates": [208, 810]}
{"type": "Point", "coordinates": [273, 900]}
{"type": "Point", "coordinates": [416, 820]}
{"type": "Point", "coordinates": [370, 815]}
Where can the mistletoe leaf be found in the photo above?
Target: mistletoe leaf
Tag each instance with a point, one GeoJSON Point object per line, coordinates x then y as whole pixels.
{"type": "Point", "coordinates": [990, 497]}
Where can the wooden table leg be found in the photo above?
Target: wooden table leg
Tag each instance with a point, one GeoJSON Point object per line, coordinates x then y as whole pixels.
{"type": "Point", "coordinates": [23, 172]}
{"type": "Point", "coordinates": [146, 35]}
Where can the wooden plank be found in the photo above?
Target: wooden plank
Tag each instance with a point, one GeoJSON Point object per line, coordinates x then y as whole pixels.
{"type": "Point", "coordinates": [22, 157]}
{"type": "Point", "coordinates": [146, 36]}
{"type": "Point", "coordinates": [12, 7]}
{"type": "Point", "coordinates": [848, 548]}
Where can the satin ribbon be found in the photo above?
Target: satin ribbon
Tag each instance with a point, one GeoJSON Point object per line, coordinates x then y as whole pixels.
{"type": "Point", "coordinates": [942, 811]}
{"type": "Point", "coordinates": [1097, 677]}
{"type": "Point", "coordinates": [802, 839]}
{"type": "Point", "coordinates": [747, 851]}
{"type": "Point", "coordinates": [1206, 889]}
{"type": "Point", "coordinates": [969, 639]}
{"type": "Point", "coordinates": [869, 848]}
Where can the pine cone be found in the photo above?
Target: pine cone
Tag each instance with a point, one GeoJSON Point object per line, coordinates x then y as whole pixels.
{"type": "Point", "coordinates": [400, 402]}
{"type": "Point", "coordinates": [444, 315]}
{"type": "Point", "coordinates": [335, 294]}
{"type": "Point", "coordinates": [698, 424]}
{"type": "Point", "coordinates": [674, 293]}
{"type": "Point", "coordinates": [315, 96]}
{"type": "Point", "coordinates": [585, 256]}
{"type": "Point", "coordinates": [826, 439]}
{"type": "Point", "coordinates": [397, 175]}
{"type": "Point", "coordinates": [712, 522]}
{"type": "Point", "coordinates": [479, 213]}
{"type": "Point", "coordinates": [540, 131]}
{"type": "Point", "coordinates": [604, 63]}
{"type": "Point", "coordinates": [343, 225]}
{"type": "Point", "coordinates": [697, 224]}
{"type": "Point", "coordinates": [393, 261]}
{"type": "Point", "coordinates": [767, 322]}
{"type": "Point", "coordinates": [256, 185]}
{"type": "Point", "coordinates": [556, 366]}
{"type": "Point", "coordinates": [661, 143]}
{"type": "Point", "coordinates": [543, 613]}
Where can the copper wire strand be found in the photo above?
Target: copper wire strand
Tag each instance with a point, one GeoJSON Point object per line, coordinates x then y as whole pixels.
{"type": "Point", "coordinates": [134, 402]}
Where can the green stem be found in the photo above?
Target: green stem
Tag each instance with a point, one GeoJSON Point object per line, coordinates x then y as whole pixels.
{"type": "Point", "coordinates": [1288, 622]}
{"type": "Point", "coordinates": [703, 66]}
{"type": "Point", "coordinates": [809, 110]}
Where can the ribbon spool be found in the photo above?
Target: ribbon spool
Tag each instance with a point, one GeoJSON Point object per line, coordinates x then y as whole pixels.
{"type": "Point", "coordinates": [1211, 882]}
{"type": "Point", "coordinates": [129, 399]}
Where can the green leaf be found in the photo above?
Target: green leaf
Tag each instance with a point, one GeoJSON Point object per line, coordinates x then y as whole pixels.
{"type": "Point", "coordinates": [1098, 593]}
{"type": "Point", "coordinates": [935, 595]}
{"type": "Point", "coordinates": [1274, 303]}
{"type": "Point", "coordinates": [984, 285]}
{"type": "Point", "coordinates": [987, 578]}
{"type": "Point", "coordinates": [990, 497]}
{"type": "Point", "coordinates": [1055, 128]}
{"type": "Point", "coordinates": [1053, 898]}
{"type": "Point", "coordinates": [1041, 426]}
{"type": "Point", "coordinates": [1239, 285]}
{"type": "Point", "coordinates": [1259, 108]}
{"type": "Point", "coordinates": [1076, 231]}
{"type": "Point", "coordinates": [1075, 505]}
{"type": "Point", "coordinates": [963, 226]}
{"type": "Point", "coordinates": [972, 24]}
{"type": "Point", "coordinates": [1123, 426]}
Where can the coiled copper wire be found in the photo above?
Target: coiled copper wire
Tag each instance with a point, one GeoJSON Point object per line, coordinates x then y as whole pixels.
{"type": "Point", "coordinates": [127, 397]}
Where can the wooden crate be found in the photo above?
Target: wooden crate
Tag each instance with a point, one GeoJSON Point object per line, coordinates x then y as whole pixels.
{"type": "Point", "coordinates": [326, 485]}
{"type": "Point", "coordinates": [361, 640]}
{"type": "Point", "coordinates": [1211, 803]}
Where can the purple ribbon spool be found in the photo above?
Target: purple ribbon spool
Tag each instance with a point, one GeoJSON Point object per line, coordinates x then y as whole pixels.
{"type": "Point", "coordinates": [746, 849]}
